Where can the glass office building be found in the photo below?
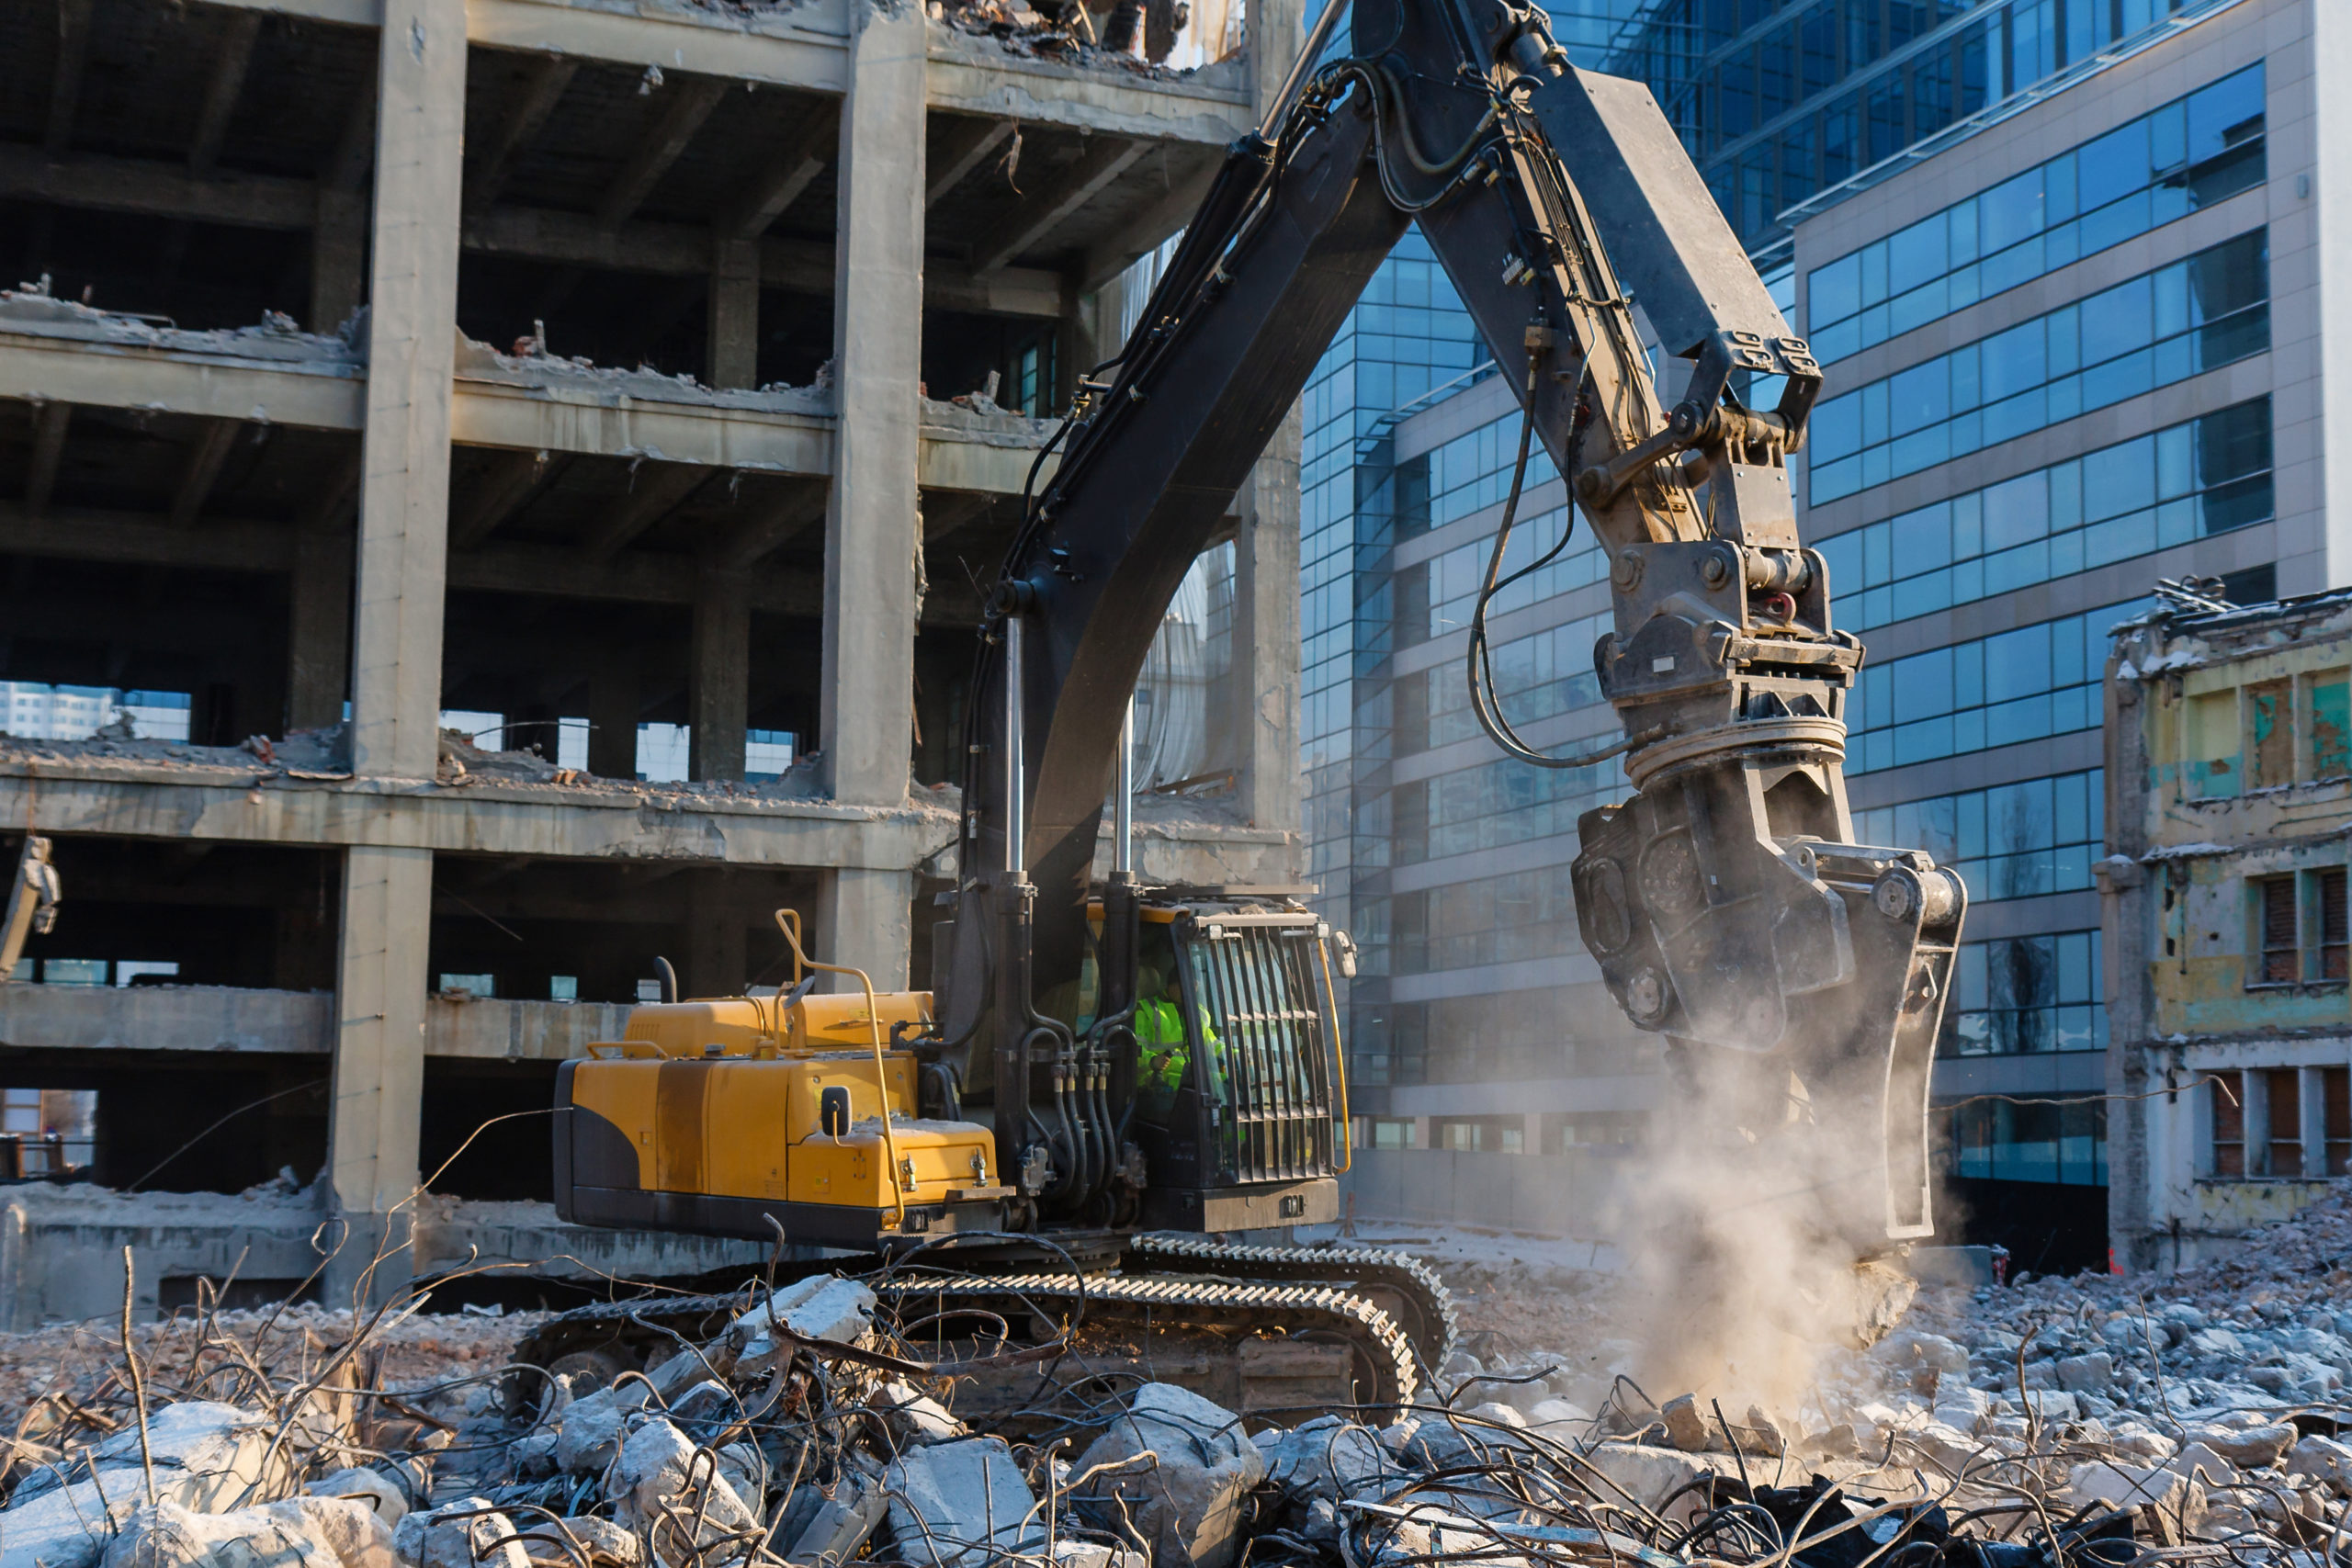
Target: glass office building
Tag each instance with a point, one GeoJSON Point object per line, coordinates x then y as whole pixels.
{"type": "Point", "coordinates": [2066, 358]}
{"type": "Point", "coordinates": [1789, 103]}
{"type": "Point", "coordinates": [2048, 339]}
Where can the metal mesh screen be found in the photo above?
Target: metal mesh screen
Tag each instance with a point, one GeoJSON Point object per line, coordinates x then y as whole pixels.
{"type": "Point", "coordinates": [1268, 1059]}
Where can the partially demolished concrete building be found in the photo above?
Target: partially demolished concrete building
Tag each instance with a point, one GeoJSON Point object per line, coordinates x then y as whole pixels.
{"type": "Point", "coordinates": [2230, 1071]}
{"type": "Point", "coordinates": [670, 362]}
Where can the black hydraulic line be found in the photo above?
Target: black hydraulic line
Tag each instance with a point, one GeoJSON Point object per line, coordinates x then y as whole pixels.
{"type": "Point", "coordinates": [1484, 699]}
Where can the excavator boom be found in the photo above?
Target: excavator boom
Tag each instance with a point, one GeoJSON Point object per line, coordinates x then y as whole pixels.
{"type": "Point", "coordinates": [1724, 901]}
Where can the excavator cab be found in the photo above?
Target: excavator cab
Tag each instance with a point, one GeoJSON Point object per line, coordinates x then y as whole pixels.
{"type": "Point", "coordinates": [1240, 1099]}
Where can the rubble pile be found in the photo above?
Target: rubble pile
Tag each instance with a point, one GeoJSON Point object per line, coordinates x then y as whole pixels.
{"type": "Point", "coordinates": [2064, 1423]}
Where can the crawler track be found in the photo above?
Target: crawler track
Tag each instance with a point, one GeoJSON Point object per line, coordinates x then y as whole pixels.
{"type": "Point", "coordinates": [1407, 1287]}
{"type": "Point", "coordinates": [1301, 1339]}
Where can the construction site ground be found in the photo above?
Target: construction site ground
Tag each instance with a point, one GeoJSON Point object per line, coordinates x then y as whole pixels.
{"type": "Point", "coordinates": [2086, 1421]}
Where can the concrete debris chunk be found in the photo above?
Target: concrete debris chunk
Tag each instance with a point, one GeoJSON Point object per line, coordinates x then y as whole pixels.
{"type": "Point", "coordinates": [2250, 1447]}
{"type": "Point", "coordinates": [820, 1307]}
{"type": "Point", "coordinates": [207, 1456]}
{"type": "Point", "coordinates": [372, 1487]}
{"type": "Point", "coordinates": [1181, 1468]}
{"type": "Point", "coordinates": [604, 1543]}
{"type": "Point", "coordinates": [304, 1532]}
{"type": "Point", "coordinates": [914, 1417]}
{"type": "Point", "coordinates": [840, 1523]}
{"type": "Point", "coordinates": [462, 1534]}
{"type": "Point", "coordinates": [2117, 1485]}
{"type": "Point", "coordinates": [676, 1494]}
{"type": "Point", "coordinates": [961, 1505]}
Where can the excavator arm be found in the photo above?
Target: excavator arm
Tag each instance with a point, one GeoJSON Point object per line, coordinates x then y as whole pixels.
{"type": "Point", "coordinates": [1724, 901]}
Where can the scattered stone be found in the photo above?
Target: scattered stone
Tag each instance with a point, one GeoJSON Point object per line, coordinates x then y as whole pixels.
{"type": "Point", "coordinates": [1189, 1498]}
{"type": "Point", "coordinates": [960, 1504]}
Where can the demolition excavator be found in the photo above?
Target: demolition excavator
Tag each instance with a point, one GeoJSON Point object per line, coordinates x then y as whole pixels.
{"type": "Point", "coordinates": [1106, 1076]}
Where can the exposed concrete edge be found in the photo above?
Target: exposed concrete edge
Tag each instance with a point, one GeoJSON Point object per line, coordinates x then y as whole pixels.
{"type": "Point", "coordinates": [238, 1021]}
{"type": "Point", "coordinates": [147, 802]}
{"type": "Point", "coordinates": [61, 1248]}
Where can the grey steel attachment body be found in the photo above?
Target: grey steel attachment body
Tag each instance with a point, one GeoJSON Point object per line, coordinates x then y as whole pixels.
{"type": "Point", "coordinates": [1724, 901]}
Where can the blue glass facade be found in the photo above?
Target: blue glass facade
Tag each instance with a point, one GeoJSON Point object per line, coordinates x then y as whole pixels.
{"type": "Point", "coordinates": [2193, 152]}
{"type": "Point", "coordinates": [1779, 100]}
{"type": "Point", "coordinates": [2203, 477]}
{"type": "Point", "coordinates": [2181, 319]}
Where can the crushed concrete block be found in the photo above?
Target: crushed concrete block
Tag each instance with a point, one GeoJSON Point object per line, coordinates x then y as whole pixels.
{"type": "Point", "coordinates": [1650, 1475]}
{"type": "Point", "coordinates": [916, 1417]}
{"type": "Point", "coordinates": [1960, 1407]}
{"type": "Point", "coordinates": [207, 1456]}
{"type": "Point", "coordinates": [373, 1487]}
{"type": "Point", "coordinates": [310, 1532]}
{"type": "Point", "coordinates": [1190, 1504]}
{"type": "Point", "coordinates": [821, 1307]}
{"type": "Point", "coordinates": [1759, 1434]}
{"type": "Point", "coordinates": [658, 1482]}
{"type": "Point", "coordinates": [2322, 1459]}
{"type": "Point", "coordinates": [841, 1524]}
{"type": "Point", "coordinates": [1948, 1448]}
{"type": "Point", "coordinates": [2136, 1440]}
{"type": "Point", "coordinates": [2249, 1447]}
{"type": "Point", "coordinates": [744, 1467]}
{"type": "Point", "coordinates": [1096, 1554]}
{"type": "Point", "coordinates": [463, 1534]}
{"type": "Point", "coordinates": [605, 1544]}
{"type": "Point", "coordinates": [2113, 1485]}
{"type": "Point", "coordinates": [962, 1505]}
{"type": "Point", "coordinates": [2201, 1462]}
{"type": "Point", "coordinates": [2093, 1374]}
{"type": "Point", "coordinates": [1495, 1411]}
{"type": "Point", "coordinates": [588, 1433]}
{"type": "Point", "coordinates": [1328, 1458]}
{"type": "Point", "coordinates": [1686, 1426]}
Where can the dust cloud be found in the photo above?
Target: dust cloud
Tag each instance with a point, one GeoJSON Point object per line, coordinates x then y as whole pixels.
{"type": "Point", "coordinates": [1739, 1273]}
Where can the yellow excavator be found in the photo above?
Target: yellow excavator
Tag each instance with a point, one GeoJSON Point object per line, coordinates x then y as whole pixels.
{"type": "Point", "coordinates": [1107, 1076]}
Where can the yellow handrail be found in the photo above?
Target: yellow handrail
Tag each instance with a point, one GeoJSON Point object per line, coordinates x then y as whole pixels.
{"type": "Point", "coordinates": [1339, 1054]}
{"type": "Point", "coordinates": [788, 921]}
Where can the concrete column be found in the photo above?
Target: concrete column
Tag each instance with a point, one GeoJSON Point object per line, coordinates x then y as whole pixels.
{"type": "Point", "coordinates": [404, 480]}
{"type": "Point", "coordinates": [1265, 637]}
{"type": "Point", "coordinates": [378, 1088]}
{"type": "Point", "coordinates": [867, 715]}
{"type": "Point", "coordinates": [1277, 32]}
{"type": "Point", "coordinates": [718, 675]}
{"type": "Point", "coordinates": [2256, 1090]}
{"type": "Point", "coordinates": [402, 559]}
{"type": "Point", "coordinates": [864, 919]}
{"type": "Point", "coordinates": [318, 630]}
{"type": "Point", "coordinates": [613, 703]}
{"type": "Point", "coordinates": [2312, 1099]}
{"type": "Point", "coordinates": [716, 950]}
{"type": "Point", "coordinates": [734, 329]}
{"type": "Point", "coordinates": [1265, 564]}
{"type": "Point", "coordinates": [338, 259]}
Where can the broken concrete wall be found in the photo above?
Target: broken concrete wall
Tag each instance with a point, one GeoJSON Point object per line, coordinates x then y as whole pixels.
{"type": "Point", "coordinates": [2229, 771]}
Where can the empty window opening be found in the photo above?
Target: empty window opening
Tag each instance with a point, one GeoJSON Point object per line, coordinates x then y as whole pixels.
{"type": "Point", "coordinates": [2283, 1089]}
{"type": "Point", "coordinates": [2275, 916]}
{"type": "Point", "coordinates": [2225, 1112]}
